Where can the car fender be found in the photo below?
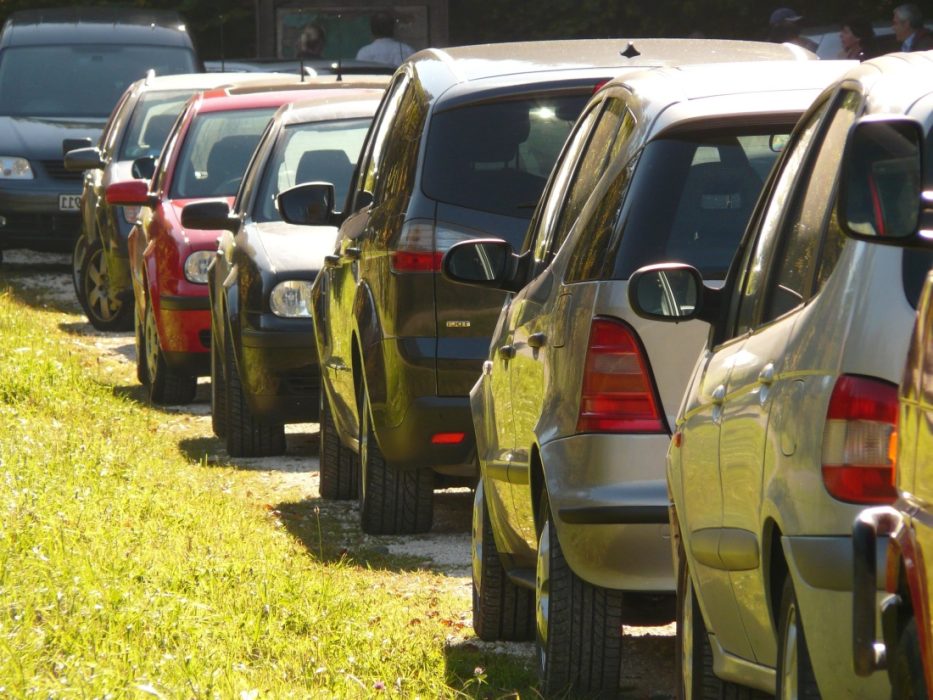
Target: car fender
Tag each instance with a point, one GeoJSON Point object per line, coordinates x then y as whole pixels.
{"type": "Point", "coordinates": [905, 557]}
{"type": "Point", "coordinates": [369, 336]}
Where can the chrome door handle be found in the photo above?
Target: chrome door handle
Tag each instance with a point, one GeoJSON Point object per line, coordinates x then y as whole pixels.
{"type": "Point", "coordinates": [536, 340]}
{"type": "Point", "coordinates": [507, 352]}
{"type": "Point", "coordinates": [353, 253]}
{"type": "Point", "coordinates": [766, 375]}
{"type": "Point", "coordinates": [719, 395]}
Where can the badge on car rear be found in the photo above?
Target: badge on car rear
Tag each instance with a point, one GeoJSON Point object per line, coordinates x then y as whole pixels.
{"type": "Point", "coordinates": [458, 324]}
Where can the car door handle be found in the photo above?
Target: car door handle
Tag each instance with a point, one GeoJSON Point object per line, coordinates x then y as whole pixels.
{"type": "Point", "coordinates": [332, 260]}
{"type": "Point", "coordinates": [507, 352]}
{"type": "Point", "coordinates": [766, 375]}
{"type": "Point", "coordinates": [353, 253]}
{"type": "Point", "coordinates": [536, 340]}
{"type": "Point", "coordinates": [719, 395]}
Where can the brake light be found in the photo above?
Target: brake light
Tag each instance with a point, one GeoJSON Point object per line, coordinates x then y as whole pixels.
{"type": "Point", "coordinates": [447, 438]}
{"type": "Point", "coordinates": [861, 425]}
{"type": "Point", "coordinates": [618, 394]}
{"type": "Point", "coordinates": [421, 245]}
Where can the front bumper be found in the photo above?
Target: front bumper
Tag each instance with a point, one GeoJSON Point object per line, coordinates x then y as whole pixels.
{"type": "Point", "coordinates": [30, 216]}
{"type": "Point", "coordinates": [185, 333]}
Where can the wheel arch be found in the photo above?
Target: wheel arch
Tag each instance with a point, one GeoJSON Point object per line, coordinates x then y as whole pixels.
{"type": "Point", "coordinates": [538, 488]}
{"type": "Point", "coordinates": [775, 571]}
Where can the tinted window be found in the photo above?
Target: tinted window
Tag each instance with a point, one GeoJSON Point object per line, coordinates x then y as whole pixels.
{"type": "Point", "coordinates": [317, 151]}
{"type": "Point", "coordinates": [917, 263]}
{"type": "Point", "coordinates": [151, 122]}
{"type": "Point", "coordinates": [79, 81]}
{"type": "Point", "coordinates": [216, 151]}
{"type": "Point", "coordinates": [496, 157]}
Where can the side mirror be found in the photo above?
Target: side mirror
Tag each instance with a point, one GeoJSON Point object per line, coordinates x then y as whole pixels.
{"type": "Point", "coordinates": [668, 292]}
{"type": "Point", "coordinates": [484, 262]}
{"type": "Point", "coordinates": [144, 168]}
{"type": "Point", "coordinates": [881, 196]}
{"type": "Point", "coordinates": [307, 204]}
{"type": "Point", "coordinates": [80, 159]}
{"type": "Point", "coordinates": [130, 193]}
{"type": "Point", "coordinates": [212, 215]}
{"type": "Point", "coordinates": [74, 144]}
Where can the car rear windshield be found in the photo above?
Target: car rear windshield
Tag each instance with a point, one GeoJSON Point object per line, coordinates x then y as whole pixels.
{"type": "Point", "coordinates": [311, 152]}
{"type": "Point", "coordinates": [150, 123]}
{"type": "Point", "coordinates": [690, 200]}
{"type": "Point", "coordinates": [216, 151]}
{"type": "Point", "coordinates": [81, 80]}
{"type": "Point", "coordinates": [495, 157]}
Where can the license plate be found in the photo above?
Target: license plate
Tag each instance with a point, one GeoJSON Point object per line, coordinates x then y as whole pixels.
{"type": "Point", "coordinates": [69, 202]}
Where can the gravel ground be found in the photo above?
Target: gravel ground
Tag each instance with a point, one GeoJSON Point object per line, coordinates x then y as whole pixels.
{"type": "Point", "coordinates": [649, 651]}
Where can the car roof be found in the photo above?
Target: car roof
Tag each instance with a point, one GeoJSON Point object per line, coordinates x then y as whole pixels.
{"type": "Point", "coordinates": [208, 81]}
{"type": "Point", "coordinates": [895, 82]}
{"type": "Point", "coordinates": [262, 95]}
{"type": "Point", "coordinates": [94, 25]}
{"type": "Point", "coordinates": [330, 104]}
{"type": "Point", "coordinates": [457, 72]}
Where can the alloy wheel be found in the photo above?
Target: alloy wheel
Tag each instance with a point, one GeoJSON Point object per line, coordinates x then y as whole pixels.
{"type": "Point", "coordinates": [543, 591]}
{"type": "Point", "coordinates": [790, 666]}
{"type": "Point", "coordinates": [97, 287]}
{"type": "Point", "coordinates": [152, 343]}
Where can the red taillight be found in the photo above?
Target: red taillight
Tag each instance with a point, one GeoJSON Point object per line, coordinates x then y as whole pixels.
{"type": "Point", "coordinates": [414, 261]}
{"type": "Point", "coordinates": [447, 438]}
{"type": "Point", "coordinates": [858, 462]}
{"type": "Point", "coordinates": [421, 245]}
{"type": "Point", "coordinates": [618, 395]}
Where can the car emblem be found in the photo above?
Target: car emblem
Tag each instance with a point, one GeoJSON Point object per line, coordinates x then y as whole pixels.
{"type": "Point", "coordinates": [458, 324]}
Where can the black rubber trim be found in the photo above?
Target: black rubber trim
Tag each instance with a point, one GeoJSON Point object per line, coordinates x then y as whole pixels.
{"type": "Point", "coordinates": [169, 303]}
{"type": "Point", "coordinates": [615, 515]}
{"type": "Point", "coordinates": [277, 339]}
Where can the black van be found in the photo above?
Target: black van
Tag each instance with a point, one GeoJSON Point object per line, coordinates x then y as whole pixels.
{"type": "Point", "coordinates": [61, 74]}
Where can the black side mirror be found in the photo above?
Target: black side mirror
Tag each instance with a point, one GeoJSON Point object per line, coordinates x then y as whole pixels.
{"type": "Point", "coordinates": [80, 159]}
{"type": "Point", "coordinates": [143, 168]}
{"type": "Point", "coordinates": [307, 204]}
{"type": "Point", "coordinates": [669, 292]}
{"type": "Point", "coordinates": [881, 196]}
{"type": "Point", "coordinates": [483, 262]}
{"type": "Point", "coordinates": [212, 215]}
{"type": "Point", "coordinates": [75, 144]}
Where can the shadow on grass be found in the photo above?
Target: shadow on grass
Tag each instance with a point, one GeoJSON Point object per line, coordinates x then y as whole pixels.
{"type": "Point", "coordinates": [39, 280]}
{"type": "Point", "coordinates": [200, 406]}
{"type": "Point", "coordinates": [300, 454]}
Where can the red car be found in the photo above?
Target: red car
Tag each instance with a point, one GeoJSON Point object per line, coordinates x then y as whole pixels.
{"type": "Point", "coordinates": [205, 156]}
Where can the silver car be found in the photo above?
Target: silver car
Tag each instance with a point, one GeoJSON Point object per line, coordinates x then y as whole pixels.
{"type": "Point", "coordinates": [788, 423]}
{"type": "Point", "coordinates": [573, 410]}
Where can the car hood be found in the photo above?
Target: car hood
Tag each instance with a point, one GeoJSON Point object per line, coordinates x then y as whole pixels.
{"type": "Point", "coordinates": [41, 139]}
{"type": "Point", "coordinates": [289, 248]}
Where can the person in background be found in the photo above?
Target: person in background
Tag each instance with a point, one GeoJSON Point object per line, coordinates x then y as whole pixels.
{"type": "Point", "coordinates": [858, 39]}
{"type": "Point", "coordinates": [385, 48]}
{"type": "Point", "coordinates": [311, 42]}
{"type": "Point", "coordinates": [907, 23]}
{"type": "Point", "coordinates": [784, 28]}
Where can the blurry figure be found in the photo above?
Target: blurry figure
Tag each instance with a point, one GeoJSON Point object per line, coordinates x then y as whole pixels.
{"type": "Point", "coordinates": [311, 42]}
{"type": "Point", "coordinates": [385, 48]}
{"type": "Point", "coordinates": [858, 39]}
{"type": "Point", "coordinates": [907, 23]}
{"type": "Point", "coordinates": [784, 29]}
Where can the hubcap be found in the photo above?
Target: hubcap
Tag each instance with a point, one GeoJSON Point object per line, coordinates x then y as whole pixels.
{"type": "Point", "coordinates": [364, 446]}
{"type": "Point", "coordinates": [789, 669]}
{"type": "Point", "coordinates": [152, 343]}
{"type": "Point", "coordinates": [97, 288]}
{"type": "Point", "coordinates": [476, 539]}
{"type": "Point", "coordinates": [686, 640]}
{"type": "Point", "coordinates": [543, 592]}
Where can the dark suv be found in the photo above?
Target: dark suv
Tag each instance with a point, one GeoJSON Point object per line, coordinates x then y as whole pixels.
{"type": "Point", "coordinates": [461, 148]}
{"type": "Point", "coordinates": [61, 73]}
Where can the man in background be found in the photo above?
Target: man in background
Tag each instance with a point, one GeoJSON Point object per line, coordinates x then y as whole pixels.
{"type": "Point", "coordinates": [385, 48]}
{"type": "Point", "coordinates": [909, 30]}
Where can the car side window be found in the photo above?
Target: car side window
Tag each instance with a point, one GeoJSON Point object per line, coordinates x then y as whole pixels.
{"type": "Point", "coordinates": [371, 172]}
{"type": "Point", "coordinates": [398, 154]}
{"type": "Point", "coordinates": [109, 134]}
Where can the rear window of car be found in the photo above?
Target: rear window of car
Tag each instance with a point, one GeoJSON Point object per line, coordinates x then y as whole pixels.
{"type": "Point", "coordinates": [311, 152]}
{"type": "Point", "coordinates": [689, 201]}
{"type": "Point", "coordinates": [495, 157]}
{"type": "Point", "coordinates": [79, 80]}
{"type": "Point", "coordinates": [150, 123]}
{"type": "Point", "coordinates": [216, 151]}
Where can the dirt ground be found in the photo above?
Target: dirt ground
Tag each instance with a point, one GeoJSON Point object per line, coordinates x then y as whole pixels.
{"type": "Point", "coordinates": [648, 669]}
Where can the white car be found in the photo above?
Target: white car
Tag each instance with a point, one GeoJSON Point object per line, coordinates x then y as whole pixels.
{"type": "Point", "coordinates": [786, 427]}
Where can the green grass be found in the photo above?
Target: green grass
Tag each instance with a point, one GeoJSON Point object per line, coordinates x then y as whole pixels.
{"type": "Point", "coordinates": [130, 568]}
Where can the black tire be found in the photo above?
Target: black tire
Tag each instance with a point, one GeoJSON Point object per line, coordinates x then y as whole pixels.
{"type": "Point", "coordinates": [578, 626]}
{"type": "Point", "coordinates": [246, 436]}
{"type": "Point", "coordinates": [795, 678]}
{"type": "Point", "coordinates": [393, 501]}
{"type": "Point", "coordinates": [105, 310]}
{"type": "Point", "coordinates": [501, 610]}
{"type": "Point", "coordinates": [142, 375]}
{"type": "Point", "coordinates": [340, 467]}
{"type": "Point", "coordinates": [166, 386]}
{"type": "Point", "coordinates": [218, 389]}
{"type": "Point", "coordinates": [78, 253]}
{"type": "Point", "coordinates": [906, 666]}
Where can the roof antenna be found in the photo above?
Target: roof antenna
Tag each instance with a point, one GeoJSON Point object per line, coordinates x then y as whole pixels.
{"type": "Point", "coordinates": [630, 51]}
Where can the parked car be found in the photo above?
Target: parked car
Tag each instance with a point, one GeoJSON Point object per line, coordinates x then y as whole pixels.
{"type": "Point", "coordinates": [136, 130]}
{"type": "Point", "coordinates": [264, 367]}
{"type": "Point", "coordinates": [892, 150]}
{"type": "Point", "coordinates": [61, 73]}
{"type": "Point", "coordinates": [461, 148]}
{"type": "Point", "coordinates": [784, 431]}
{"type": "Point", "coordinates": [204, 158]}
{"type": "Point", "coordinates": [573, 407]}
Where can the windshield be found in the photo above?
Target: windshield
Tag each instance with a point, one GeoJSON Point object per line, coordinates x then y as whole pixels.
{"type": "Point", "coordinates": [311, 152]}
{"type": "Point", "coordinates": [81, 80]}
{"type": "Point", "coordinates": [496, 157]}
{"type": "Point", "coordinates": [152, 119]}
{"type": "Point", "coordinates": [216, 151]}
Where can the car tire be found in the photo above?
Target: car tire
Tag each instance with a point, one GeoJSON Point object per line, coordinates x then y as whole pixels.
{"type": "Point", "coordinates": [501, 610]}
{"type": "Point", "coordinates": [78, 253]}
{"type": "Point", "coordinates": [218, 390]}
{"type": "Point", "coordinates": [339, 465]}
{"type": "Point", "coordinates": [166, 386]}
{"type": "Point", "coordinates": [246, 436]}
{"type": "Point", "coordinates": [142, 376]}
{"type": "Point", "coordinates": [906, 666]}
{"type": "Point", "coordinates": [393, 501]}
{"type": "Point", "coordinates": [795, 677]}
{"type": "Point", "coordinates": [105, 311]}
{"type": "Point", "coordinates": [578, 626]}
